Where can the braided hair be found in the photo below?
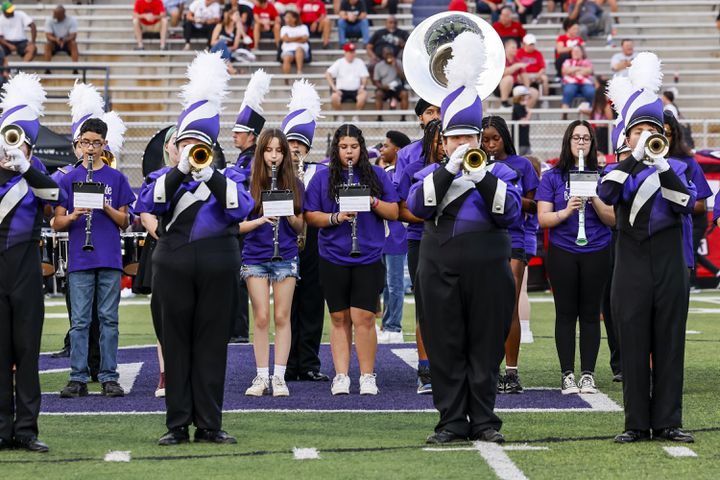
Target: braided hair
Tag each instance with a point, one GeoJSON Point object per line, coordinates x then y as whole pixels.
{"type": "Point", "coordinates": [429, 141]}
{"type": "Point", "coordinates": [499, 124]}
{"type": "Point", "coordinates": [362, 171]}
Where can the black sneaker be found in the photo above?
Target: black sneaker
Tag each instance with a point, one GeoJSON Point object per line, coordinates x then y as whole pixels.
{"type": "Point", "coordinates": [512, 382]}
{"type": "Point", "coordinates": [673, 435]}
{"type": "Point", "coordinates": [31, 444]}
{"type": "Point", "coordinates": [632, 436]}
{"type": "Point", "coordinates": [424, 381]}
{"type": "Point", "coordinates": [213, 436]}
{"type": "Point", "coordinates": [74, 389]}
{"type": "Point", "coordinates": [64, 353]}
{"type": "Point", "coordinates": [501, 383]}
{"type": "Point", "coordinates": [489, 435]}
{"type": "Point", "coordinates": [175, 436]}
{"type": "Point", "coordinates": [445, 436]}
{"type": "Point", "coordinates": [112, 389]}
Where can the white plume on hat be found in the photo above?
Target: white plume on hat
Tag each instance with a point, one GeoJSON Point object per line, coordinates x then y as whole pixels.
{"type": "Point", "coordinates": [304, 97]}
{"type": "Point", "coordinates": [464, 70]}
{"type": "Point", "coordinates": [618, 91]}
{"type": "Point", "coordinates": [209, 79]}
{"type": "Point", "coordinates": [116, 131]}
{"type": "Point", "coordinates": [646, 72]}
{"type": "Point", "coordinates": [85, 100]}
{"type": "Point", "coordinates": [257, 88]}
{"type": "Point", "coordinates": [24, 89]}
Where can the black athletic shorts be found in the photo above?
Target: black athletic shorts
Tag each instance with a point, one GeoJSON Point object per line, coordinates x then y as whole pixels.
{"type": "Point", "coordinates": [357, 286]}
{"type": "Point", "coordinates": [348, 96]}
{"type": "Point", "coordinates": [518, 254]}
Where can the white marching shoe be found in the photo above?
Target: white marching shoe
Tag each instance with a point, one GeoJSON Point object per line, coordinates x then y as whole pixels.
{"type": "Point", "coordinates": [279, 387]}
{"type": "Point", "coordinates": [368, 385]}
{"type": "Point", "coordinates": [260, 386]}
{"type": "Point", "coordinates": [340, 385]}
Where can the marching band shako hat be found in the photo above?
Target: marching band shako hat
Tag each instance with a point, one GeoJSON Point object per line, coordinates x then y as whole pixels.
{"type": "Point", "coordinates": [619, 90]}
{"type": "Point", "coordinates": [250, 117]}
{"type": "Point", "coordinates": [202, 98]}
{"type": "Point", "coordinates": [461, 110]}
{"type": "Point", "coordinates": [22, 104]}
{"type": "Point", "coordinates": [618, 137]}
{"type": "Point", "coordinates": [85, 102]}
{"type": "Point", "coordinates": [304, 107]}
{"type": "Point", "coordinates": [643, 104]}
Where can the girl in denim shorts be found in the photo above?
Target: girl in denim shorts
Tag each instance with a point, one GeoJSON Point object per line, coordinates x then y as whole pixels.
{"type": "Point", "coordinates": [258, 269]}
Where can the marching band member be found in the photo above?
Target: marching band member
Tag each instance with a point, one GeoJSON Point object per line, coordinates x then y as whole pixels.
{"type": "Point", "coordinates": [464, 266]}
{"type": "Point", "coordinates": [197, 259]}
{"type": "Point", "coordinates": [94, 275]}
{"type": "Point", "coordinates": [308, 308]}
{"type": "Point", "coordinates": [410, 160]}
{"type": "Point", "coordinates": [578, 274]}
{"type": "Point", "coordinates": [650, 284]}
{"type": "Point", "coordinates": [272, 166]}
{"type": "Point", "coordinates": [23, 190]}
{"type": "Point", "coordinates": [248, 125]}
{"type": "Point", "coordinates": [497, 143]}
{"type": "Point", "coordinates": [351, 283]}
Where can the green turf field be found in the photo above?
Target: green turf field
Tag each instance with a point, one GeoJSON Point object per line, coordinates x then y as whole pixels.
{"type": "Point", "coordinates": [373, 445]}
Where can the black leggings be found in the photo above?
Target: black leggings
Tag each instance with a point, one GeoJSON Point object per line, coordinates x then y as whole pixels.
{"type": "Point", "coordinates": [578, 281]}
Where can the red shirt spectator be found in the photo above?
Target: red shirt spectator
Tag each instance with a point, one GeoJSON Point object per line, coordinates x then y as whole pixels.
{"type": "Point", "coordinates": [534, 60]}
{"type": "Point", "coordinates": [568, 41]}
{"type": "Point", "coordinates": [311, 10]}
{"type": "Point", "coordinates": [506, 27]}
{"type": "Point", "coordinates": [457, 6]}
{"type": "Point", "coordinates": [154, 7]}
{"type": "Point", "coordinates": [268, 12]}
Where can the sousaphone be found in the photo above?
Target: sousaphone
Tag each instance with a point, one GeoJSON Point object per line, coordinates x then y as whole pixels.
{"type": "Point", "coordinates": [428, 49]}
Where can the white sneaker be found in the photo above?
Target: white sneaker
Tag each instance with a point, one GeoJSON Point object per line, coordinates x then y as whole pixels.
{"type": "Point", "coordinates": [368, 385]}
{"type": "Point", "coordinates": [587, 384]}
{"type": "Point", "coordinates": [340, 385]}
{"type": "Point", "coordinates": [279, 387]}
{"type": "Point", "coordinates": [382, 336]}
{"type": "Point", "coordinates": [260, 386]}
{"type": "Point", "coordinates": [394, 337]}
{"type": "Point", "coordinates": [568, 384]}
{"type": "Point", "coordinates": [526, 335]}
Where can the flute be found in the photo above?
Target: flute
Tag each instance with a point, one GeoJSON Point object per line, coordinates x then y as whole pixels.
{"type": "Point", "coordinates": [88, 247]}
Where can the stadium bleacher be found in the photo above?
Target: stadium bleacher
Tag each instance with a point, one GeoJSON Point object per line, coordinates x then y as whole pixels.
{"type": "Point", "coordinates": [143, 85]}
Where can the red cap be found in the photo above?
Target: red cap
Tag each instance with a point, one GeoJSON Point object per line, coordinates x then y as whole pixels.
{"type": "Point", "coordinates": [349, 47]}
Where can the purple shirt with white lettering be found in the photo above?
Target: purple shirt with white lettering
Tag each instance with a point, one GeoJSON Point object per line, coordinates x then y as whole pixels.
{"type": "Point", "coordinates": [396, 239]}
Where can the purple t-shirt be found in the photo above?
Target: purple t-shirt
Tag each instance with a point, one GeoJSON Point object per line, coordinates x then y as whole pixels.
{"type": "Point", "coordinates": [555, 189]}
{"type": "Point", "coordinates": [105, 233]}
{"type": "Point", "coordinates": [696, 176]}
{"type": "Point", "coordinates": [527, 181]}
{"type": "Point", "coordinates": [335, 242]}
{"type": "Point", "coordinates": [396, 239]}
{"type": "Point", "coordinates": [409, 162]}
{"type": "Point", "coordinates": [531, 235]}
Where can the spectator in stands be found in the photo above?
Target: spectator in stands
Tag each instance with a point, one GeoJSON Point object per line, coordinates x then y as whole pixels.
{"type": "Point", "coordinates": [283, 6]}
{"type": "Point", "coordinates": [552, 3]}
{"type": "Point", "coordinates": [353, 21]}
{"type": "Point", "coordinates": [593, 19]}
{"type": "Point", "coordinates": [200, 21]}
{"type": "Point", "coordinates": [295, 45]}
{"type": "Point", "coordinates": [227, 35]}
{"type": "Point", "coordinates": [267, 22]}
{"type": "Point", "coordinates": [577, 79]}
{"type": "Point", "coordinates": [489, 6]}
{"type": "Point", "coordinates": [535, 64]}
{"type": "Point", "coordinates": [514, 73]}
{"type": "Point", "coordinates": [507, 28]}
{"type": "Point", "coordinates": [622, 60]}
{"type": "Point", "coordinates": [521, 113]}
{"type": "Point", "coordinates": [668, 100]}
{"type": "Point", "coordinates": [389, 37]}
{"type": "Point", "coordinates": [565, 43]}
{"type": "Point", "coordinates": [347, 78]}
{"type": "Point", "coordinates": [12, 31]}
{"type": "Point", "coordinates": [313, 14]}
{"type": "Point", "coordinates": [528, 7]}
{"type": "Point", "coordinates": [174, 9]}
{"type": "Point", "coordinates": [61, 35]}
{"type": "Point", "coordinates": [389, 80]}
{"type": "Point", "coordinates": [601, 109]}
{"type": "Point", "coordinates": [149, 17]}
{"type": "Point", "coordinates": [457, 6]}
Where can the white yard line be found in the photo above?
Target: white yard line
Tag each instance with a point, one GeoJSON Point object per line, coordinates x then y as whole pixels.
{"type": "Point", "coordinates": [680, 452]}
{"type": "Point", "coordinates": [117, 456]}
{"type": "Point", "coordinates": [305, 454]}
{"type": "Point", "coordinates": [498, 460]}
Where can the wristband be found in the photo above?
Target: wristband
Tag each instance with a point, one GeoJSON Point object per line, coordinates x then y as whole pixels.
{"type": "Point", "coordinates": [375, 202]}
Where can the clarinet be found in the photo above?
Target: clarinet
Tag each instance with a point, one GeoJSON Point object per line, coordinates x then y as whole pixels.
{"type": "Point", "coordinates": [276, 226]}
{"type": "Point", "coordinates": [355, 248]}
{"type": "Point", "coordinates": [581, 239]}
{"type": "Point", "coordinates": [88, 247]}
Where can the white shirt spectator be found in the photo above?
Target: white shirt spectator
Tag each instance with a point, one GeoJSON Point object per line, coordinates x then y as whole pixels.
{"type": "Point", "coordinates": [348, 75]}
{"type": "Point", "coordinates": [61, 29]}
{"type": "Point", "coordinates": [617, 59]}
{"type": "Point", "coordinates": [294, 32]}
{"type": "Point", "coordinates": [13, 28]}
{"type": "Point", "coordinates": [204, 12]}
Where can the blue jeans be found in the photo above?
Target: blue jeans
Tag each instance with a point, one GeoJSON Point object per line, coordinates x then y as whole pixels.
{"type": "Point", "coordinates": [361, 28]}
{"type": "Point", "coordinates": [481, 7]}
{"type": "Point", "coordinates": [273, 271]}
{"type": "Point", "coordinates": [222, 47]}
{"type": "Point", "coordinates": [102, 285]}
{"type": "Point", "coordinates": [394, 292]}
{"type": "Point", "coordinates": [572, 90]}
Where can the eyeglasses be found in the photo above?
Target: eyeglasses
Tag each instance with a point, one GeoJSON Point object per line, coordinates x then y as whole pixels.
{"type": "Point", "coordinates": [95, 144]}
{"type": "Point", "coordinates": [581, 138]}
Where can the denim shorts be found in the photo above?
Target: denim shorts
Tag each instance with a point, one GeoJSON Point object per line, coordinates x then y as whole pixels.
{"type": "Point", "coordinates": [273, 271]}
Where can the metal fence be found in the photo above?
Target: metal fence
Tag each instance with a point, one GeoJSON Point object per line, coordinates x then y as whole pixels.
{"type": "Point", "coordinates": [545, 138]}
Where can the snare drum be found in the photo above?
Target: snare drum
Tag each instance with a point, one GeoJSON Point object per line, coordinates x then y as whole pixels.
{"type": "Point", "coordinates": [47, 252]}
{"type": "Point", "coordinates": [132, 245]}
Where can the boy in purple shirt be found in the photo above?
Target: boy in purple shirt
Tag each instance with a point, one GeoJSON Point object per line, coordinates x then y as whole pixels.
{"type": "Point", "coordinates": [94, 276]}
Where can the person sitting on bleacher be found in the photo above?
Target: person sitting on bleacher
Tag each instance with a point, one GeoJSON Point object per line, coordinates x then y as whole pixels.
{"type": "Point", "coordinates": [565, 43]}
{"type": "Point", "coordinates": [295, 46]}
{"type": "Point", "coordinates": [490, 6]}
{"type": "Point", "coordinates": [577, 77]}
{"type": "Point", "coordinates": [514, 74]}
{"type": "Point", "coordinates": [353, 21]}
{"type": "Point", "coordinates": [174, 9]}
{"type": "Point", "coordinates": [12, 33]}
{"type": "Point", "coordinates": [507, 28]}
{"type": "Point", "coordinates": [313, 14]}
{"type": "Point", "coordinates": [61, 33]}
{"type": "Point", "coordinates": [200, 21]}
{"type": "Point", "coordinates": [620, 62]}
{"type": "Point", "coordinates": [389, 80]}
{"type": "Point", "coordinates": [592, 18]}
{"type": "Point", "coordinates": [149, 17]}
{"type": "Point", "coordinates": [535, 69]}
{"type": "Point", "coordinates": [390, 37]}
{"type": "Point", "coordinates": [347, 78]}
{"type": "Point", "coordinates": [267, 22]}
{"type": "Point", "coordinates": [227, 35]}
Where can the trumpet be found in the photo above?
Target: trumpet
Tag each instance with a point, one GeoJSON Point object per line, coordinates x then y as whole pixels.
{"type": "Point", "coordinates": [656, 144]}
{"type": "Point", "coordinates": [89, 247]}
{"type": "Point", "coordinates": [474, 159]}
{"type": "Point", "coordinates": [200, 156]}
{"type": "Point", "coordinates": [581, 239]}
{"type": "Point", "coordinates": [12, 136]}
